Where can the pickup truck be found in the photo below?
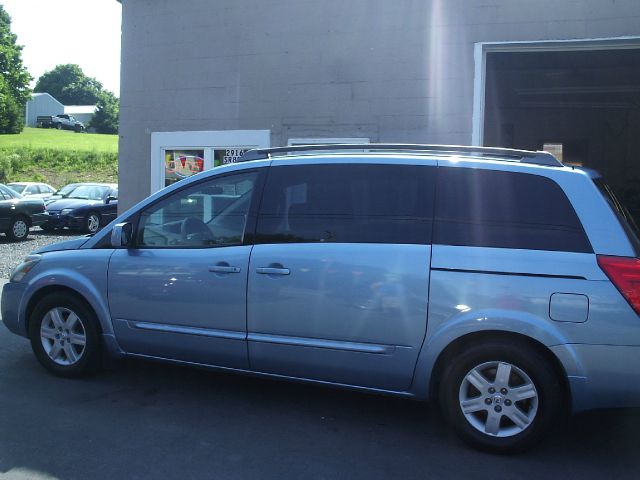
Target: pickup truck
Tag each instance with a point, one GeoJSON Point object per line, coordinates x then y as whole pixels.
{"type": "Point", "coordinates": [66, 122]}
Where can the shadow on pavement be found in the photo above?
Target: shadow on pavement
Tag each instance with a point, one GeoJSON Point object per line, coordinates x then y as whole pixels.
{"type": "Point", "coordinates": [151, 420]}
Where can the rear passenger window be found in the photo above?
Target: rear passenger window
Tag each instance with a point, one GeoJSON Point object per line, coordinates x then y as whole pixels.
{"type": "Point", "coordinates": [347, 204]}
{"type": "Point", "coordinates": [485, 208]}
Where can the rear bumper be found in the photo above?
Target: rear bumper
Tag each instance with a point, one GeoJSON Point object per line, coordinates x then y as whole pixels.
{"type": "Point", "coordinates": [601, 376]}
{"type": "Point", "coordinates": [38, 219]}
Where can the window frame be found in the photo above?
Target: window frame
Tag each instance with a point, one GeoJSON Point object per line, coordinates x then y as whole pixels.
{"type": "Point", "coordinates": [252, 214]}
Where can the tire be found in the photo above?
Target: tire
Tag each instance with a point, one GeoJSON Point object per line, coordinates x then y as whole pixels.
{"type": "Point", "coordinates": [18, 229]}
{"type": "Point", "coordinates": [92, 222]}
{"type": "Point", "coordinates": [60, 349]}
{"type": "Point", "coordinates": [58, 126]}
{"type": "Point", "coordinates": [471, 379]}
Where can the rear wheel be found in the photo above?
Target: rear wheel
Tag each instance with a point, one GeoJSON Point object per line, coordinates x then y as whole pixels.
{"type": "Point", "coordinates": [18, 229]}
{"type": "Point", "coordinates": [65, 336]}
{"type": "Point", "coordinates": [501, 397]}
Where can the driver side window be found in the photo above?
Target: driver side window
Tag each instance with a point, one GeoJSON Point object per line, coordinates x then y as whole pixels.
{"type": "Point", "coordinates": [209, 214]}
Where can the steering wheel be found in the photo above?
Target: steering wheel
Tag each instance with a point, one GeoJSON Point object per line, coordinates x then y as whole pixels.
{"type": "Point", "coordinates": [195, 231]}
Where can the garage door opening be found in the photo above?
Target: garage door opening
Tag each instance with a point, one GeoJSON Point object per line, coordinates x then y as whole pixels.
{"type": "Point", "coordinates": [583, 105]}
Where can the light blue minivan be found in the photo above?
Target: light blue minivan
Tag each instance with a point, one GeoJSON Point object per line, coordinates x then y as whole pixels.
{"type": "Point", "coordinates": [498, 282]}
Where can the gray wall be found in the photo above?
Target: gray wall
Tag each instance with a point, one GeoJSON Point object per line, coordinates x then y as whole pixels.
{"type": "Point", "coordinates": [41, 105]}
{"type": "Point", "coordinates": [390, 70]}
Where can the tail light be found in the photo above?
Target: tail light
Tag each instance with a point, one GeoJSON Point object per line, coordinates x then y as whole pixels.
{"type": "Point", "coordinates": [624, 273]}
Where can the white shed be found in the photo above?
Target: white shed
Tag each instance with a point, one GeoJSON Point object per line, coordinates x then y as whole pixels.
{"type": "Point", "coordinates": [82, 113]}
{"type": "Point", "coordinates": [42, 104]}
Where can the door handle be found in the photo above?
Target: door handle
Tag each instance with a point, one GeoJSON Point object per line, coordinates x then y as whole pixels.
{"type": "Point", "coordinates": [273, 271]}
{"type": "Point", "coordinates": [224, 269]}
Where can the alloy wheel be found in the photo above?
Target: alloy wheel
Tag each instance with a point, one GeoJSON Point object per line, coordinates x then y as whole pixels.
{"type": "Point", "coordinates": [63, 336]}
{"type": "Point", "coordinates": [498, 399]}
{"type": "Point", "coordinates": [93, 223]}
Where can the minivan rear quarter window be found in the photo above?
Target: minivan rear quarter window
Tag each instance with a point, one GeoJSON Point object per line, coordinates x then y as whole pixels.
{"type": "Point", "coordinates": [347, 203]}
{"type": "Point", "coordinates": [488, 208]}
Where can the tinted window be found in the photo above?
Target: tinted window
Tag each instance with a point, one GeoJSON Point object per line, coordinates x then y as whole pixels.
{"type": "Point", "coordinates": [209, 214]}
{"type": "Point", "coordinates": [485, 208]}
{"type": "Point", "coordinates": [624, 217]}
{"type": "Point", "coordinates": [8, 193]}
{"type": "Point", "coordinates": [348, 204]}
{"type": "Point", "coordinates": [17, 188]}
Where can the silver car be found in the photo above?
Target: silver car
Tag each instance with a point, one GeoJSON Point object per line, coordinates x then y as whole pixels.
{"type": "Point", "coordinates": [499, 283]}
{"type": "Point", "coordinates": [32, 189]}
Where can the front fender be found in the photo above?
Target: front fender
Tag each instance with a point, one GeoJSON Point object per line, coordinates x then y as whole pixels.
{"type": "Point", "coordinates": [439, 337]}
{"type": "Point", "coordinates": [83, 271]}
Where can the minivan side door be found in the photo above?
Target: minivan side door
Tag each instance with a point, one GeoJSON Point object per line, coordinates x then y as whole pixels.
{"type": "Point", "coordinates": [180, 292]}
{"type": "Point", "coordinates": [339, 276]}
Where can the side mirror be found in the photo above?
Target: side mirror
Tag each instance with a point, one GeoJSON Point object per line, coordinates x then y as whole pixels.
{"type": "Point", "coordinates": [110, 199]}
{"type": "Point", "coordinates": [121, 235]}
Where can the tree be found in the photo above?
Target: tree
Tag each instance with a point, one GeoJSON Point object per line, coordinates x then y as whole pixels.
{"type": "Point", "coordinates": [69, 85]}
{"type": "Point", "coordinates": [14, 79]}
{"type": "Point", "coordinates": [105, 120]}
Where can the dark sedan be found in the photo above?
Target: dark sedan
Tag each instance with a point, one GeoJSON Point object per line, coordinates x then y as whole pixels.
{"type": "Point", "coordinates": [88, 207]}
{"type": "Point", "coordinates": [17, 214]}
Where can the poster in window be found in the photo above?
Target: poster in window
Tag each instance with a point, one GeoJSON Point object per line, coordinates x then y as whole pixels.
{"type": "Point", "coordinates": [181, 164]}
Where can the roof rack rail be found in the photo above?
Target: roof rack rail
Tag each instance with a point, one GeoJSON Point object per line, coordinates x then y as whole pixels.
{"type": "Point", "coordinates": [508, 154]}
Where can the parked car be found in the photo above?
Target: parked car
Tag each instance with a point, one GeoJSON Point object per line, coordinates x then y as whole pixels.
{"type": "Point", "coordinates": [18, 214]}
{"type": "Point", "coordinates": [61, 122]}
{"type": "Point", "coordinates": [497, 282]}
{"type": "Point", "coordinates": [32, 189]}
{"type": "Point", "coordinates": [87, 207]}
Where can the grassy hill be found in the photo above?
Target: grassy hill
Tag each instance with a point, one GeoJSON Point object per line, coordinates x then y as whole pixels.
{"type": "Point", "coordinates": [58, 157]}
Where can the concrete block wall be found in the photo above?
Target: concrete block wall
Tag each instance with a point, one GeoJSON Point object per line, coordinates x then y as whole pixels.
{"type": "Point", "coordinates": [397, 71]}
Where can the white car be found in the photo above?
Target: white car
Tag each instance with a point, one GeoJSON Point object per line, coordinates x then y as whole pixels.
{"type": "Point", "coordinates": [32, 189]}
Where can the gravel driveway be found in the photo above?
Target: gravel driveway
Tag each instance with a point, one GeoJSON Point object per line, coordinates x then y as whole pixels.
{"type": "Point", "coordinates": [12, 253]}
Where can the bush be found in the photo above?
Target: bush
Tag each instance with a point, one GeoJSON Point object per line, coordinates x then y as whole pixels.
{"type": "Point", "coordinates": [57, 167]}
{"type": "Point", "coordinates": [6, 169]}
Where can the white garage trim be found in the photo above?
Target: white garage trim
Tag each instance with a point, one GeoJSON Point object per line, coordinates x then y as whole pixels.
{"type": "Point", "coordinates": [205, 140]}
{"type": "Point", "coordinates": [480, 57]}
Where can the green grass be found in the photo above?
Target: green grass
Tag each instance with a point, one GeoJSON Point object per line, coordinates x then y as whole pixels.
{"type": "Point", "coordinates": [66, 140]}
{"type": "Point", "coordinates": [58, 157]}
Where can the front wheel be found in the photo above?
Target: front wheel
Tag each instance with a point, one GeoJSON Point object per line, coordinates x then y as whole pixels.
{"type": "Point", "coordinates": [501, 397]}
{"type": "Point", "coordinates": [18, 229]}
{"type": "Point", "coordinates": [65, 336]}
{"type": "Point", "coordinates": [92, 223]}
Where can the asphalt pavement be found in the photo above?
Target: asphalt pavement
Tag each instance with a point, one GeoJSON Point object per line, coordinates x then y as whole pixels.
{"type": "Point", "coordinates": [143, 420]}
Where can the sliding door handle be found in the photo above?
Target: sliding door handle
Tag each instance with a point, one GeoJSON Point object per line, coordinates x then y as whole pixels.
{"type": "Point", "coordinates": [273, 271]}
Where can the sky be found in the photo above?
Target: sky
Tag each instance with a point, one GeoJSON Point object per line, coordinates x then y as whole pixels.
{"type": "Point", "coordinates": [85, 32]}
